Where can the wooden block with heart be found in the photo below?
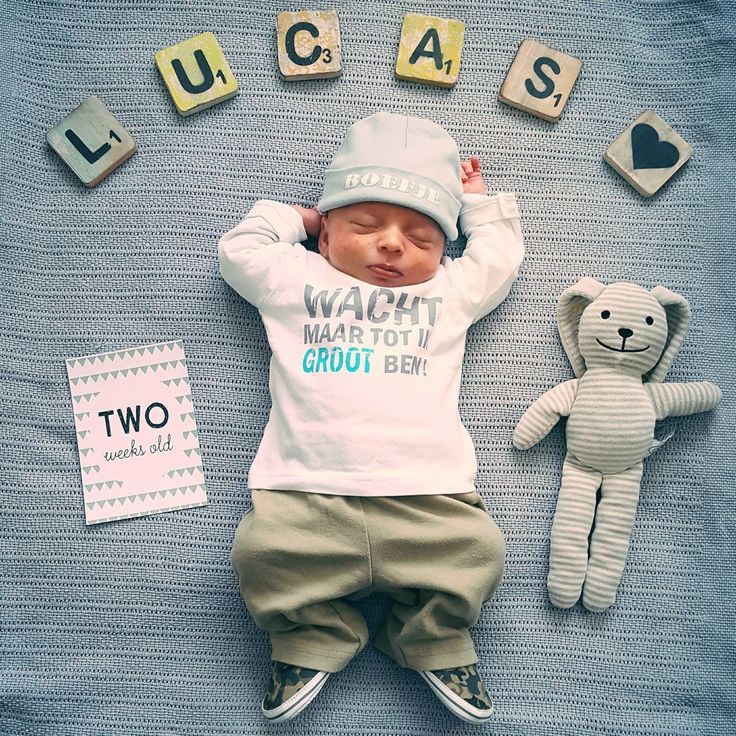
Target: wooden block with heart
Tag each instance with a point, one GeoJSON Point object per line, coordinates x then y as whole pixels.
{"type": "Point", "coordinates": [648, 153]}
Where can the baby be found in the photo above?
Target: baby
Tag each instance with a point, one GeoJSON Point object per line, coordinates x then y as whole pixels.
{"type": "Point", "coordinates": [364, 478]}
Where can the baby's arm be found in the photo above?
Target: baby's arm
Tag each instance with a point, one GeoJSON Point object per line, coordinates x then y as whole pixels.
{"type": "Point", "coordinates": [257, 254]}
{"type": "Point", "coordinates": [495, 246]}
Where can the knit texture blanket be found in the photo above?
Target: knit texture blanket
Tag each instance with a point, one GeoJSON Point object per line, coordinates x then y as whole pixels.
{"type": "Point", "coordinates": [136, 626]}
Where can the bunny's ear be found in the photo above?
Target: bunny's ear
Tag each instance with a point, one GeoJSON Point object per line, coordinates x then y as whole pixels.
{"type": "Point", "coordinates": [678, 318]}
{"type": "Point", "coordinates": [570, 307]}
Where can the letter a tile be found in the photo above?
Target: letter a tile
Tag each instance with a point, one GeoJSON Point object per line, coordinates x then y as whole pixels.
{"type": "Point", "coordinates": [308, 45]}
{"type": "Point", "coordinates": [196, 73]}
{"type": "Point", "coordinates": [430, 50]}
{"type": "Point", "coordinates": [91, 141]}
{"type": "Point", "coordinates": [648, 153]}
{"type": "Point", "coordinates": [539, 80]}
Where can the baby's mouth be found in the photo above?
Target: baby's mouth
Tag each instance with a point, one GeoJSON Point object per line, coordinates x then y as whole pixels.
{"type": "Point", "coordinates": [622, 349]}
{"type": "Point", "coordinates": [385, 270]}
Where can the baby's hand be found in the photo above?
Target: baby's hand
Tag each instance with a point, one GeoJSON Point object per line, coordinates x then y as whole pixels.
{"type": "Point", "coordinates": [471, 177]}
{"type": "Point", "coordinates": [311, 218]}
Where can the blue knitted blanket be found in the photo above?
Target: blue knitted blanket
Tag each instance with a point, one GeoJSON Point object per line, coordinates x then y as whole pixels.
{"type": "Point", "coordinates": [136, 626]}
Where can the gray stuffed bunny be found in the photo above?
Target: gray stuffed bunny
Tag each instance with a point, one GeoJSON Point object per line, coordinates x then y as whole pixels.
{"type": "Point", "coordinates": [621, 340]}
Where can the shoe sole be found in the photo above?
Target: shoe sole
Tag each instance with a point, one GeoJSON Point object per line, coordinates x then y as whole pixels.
{"type": "Point", "coordinates": [297, 702]}
{"type": "Point", "coordinates": [454, 702]}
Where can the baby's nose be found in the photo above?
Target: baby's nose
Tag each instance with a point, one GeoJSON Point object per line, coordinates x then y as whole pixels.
{"type": "Point", "coordinates": [625, 332]}
{"type": "Point", "coordinates": [390, 240]}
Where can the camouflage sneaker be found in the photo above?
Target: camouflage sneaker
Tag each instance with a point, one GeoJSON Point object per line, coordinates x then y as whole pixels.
{"type": "Point", "coordinates": [291, 690]}
{"type": "Point", "coordinates": [462, 691]}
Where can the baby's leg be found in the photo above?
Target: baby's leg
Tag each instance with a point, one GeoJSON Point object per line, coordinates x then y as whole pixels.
{"type": "Point", "coordinates": [296, 554]}
{"type": "Point", "coordinates": [439, 557]}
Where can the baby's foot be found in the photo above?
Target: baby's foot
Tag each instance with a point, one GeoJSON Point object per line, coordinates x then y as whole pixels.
{"type": "Point", "coordinates": [291, 690]}
{"type": "Point", "coordinates": [462, 691]}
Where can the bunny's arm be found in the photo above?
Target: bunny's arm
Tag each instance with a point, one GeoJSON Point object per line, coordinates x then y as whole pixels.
{"type": "Point", "coordinates": [544, 413]}
{"type": "Point", "coordinates": [681, 399]}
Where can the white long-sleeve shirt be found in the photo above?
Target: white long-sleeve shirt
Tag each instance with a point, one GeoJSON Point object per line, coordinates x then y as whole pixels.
{"type": "Point", "coordinates": [365, 379]}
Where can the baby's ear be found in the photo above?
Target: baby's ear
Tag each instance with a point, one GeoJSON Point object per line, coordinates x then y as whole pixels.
{"type": "Point", "coordinates": [570, 307]}
{"type": "Point", "coordinates": [322, 242]}
{"type": "Point", "coordinates": [677, 310]}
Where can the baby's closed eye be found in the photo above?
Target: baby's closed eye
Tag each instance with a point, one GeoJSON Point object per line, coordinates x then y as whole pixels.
{"type": "Point", "coordinates": [421, 237]}
{"type": "Point", "coordinates": [363, 224]}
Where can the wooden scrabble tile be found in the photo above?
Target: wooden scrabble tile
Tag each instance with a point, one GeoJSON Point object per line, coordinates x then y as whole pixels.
{"type": "Point", "coordinates": [91, 141]}
{"type": "Point", "coordinates": [196, 73]}
{"type": "Point", "coordinates": [308, 45]}
{"type": "Point", "coordinates": [430, 50]}
{"type": "Point", "coordinates": [648, 153]}
{"type": "Point", "coordinates": [539, 80]}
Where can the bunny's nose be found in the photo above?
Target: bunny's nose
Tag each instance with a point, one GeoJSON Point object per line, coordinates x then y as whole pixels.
{"type": "Point", "coordinates": [625, 332]}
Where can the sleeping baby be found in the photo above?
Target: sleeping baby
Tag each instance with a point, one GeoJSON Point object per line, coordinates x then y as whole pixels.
{"type": "Point", "coordinates": [364, 478]}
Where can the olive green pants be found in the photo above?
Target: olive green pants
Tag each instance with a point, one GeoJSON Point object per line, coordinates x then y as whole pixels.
{"type": "Point", "coordinates": [302, 557]}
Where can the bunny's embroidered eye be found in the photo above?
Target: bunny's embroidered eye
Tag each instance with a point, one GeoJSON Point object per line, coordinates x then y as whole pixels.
{"type": "Point", "coordinates": [605, 314]}
{"type": "Point", "coordinates": [649, 320]}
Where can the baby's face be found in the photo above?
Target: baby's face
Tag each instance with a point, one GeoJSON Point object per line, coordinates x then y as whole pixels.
{"type": "Point", "coordinates": [382, 244]}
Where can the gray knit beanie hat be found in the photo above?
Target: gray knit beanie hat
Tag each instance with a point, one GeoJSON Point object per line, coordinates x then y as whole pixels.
{"type": "Point", "coordinates": [399, 159]}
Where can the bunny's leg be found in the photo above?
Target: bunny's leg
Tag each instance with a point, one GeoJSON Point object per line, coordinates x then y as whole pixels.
{"type": "Point", "coordinates": [568, 551]}
{"type": "Point", "coordinates": [610, 542]}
